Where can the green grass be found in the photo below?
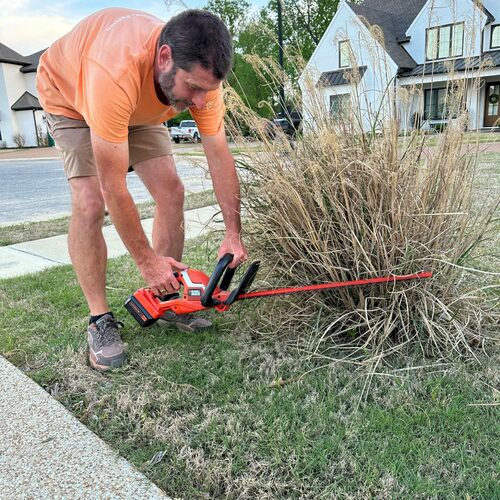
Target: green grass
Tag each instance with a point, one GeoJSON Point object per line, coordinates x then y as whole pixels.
{"type": "Point", "coordinates": [18, 233]}
{"type": "Point", "coordinates": [224, 415]}
{"type": "Point", "coordinates": [471, 138]}
{"type": "Point", "coordinates": [209, 409]}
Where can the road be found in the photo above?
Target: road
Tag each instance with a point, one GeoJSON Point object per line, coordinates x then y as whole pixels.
{"type": "Point", "coordinates": [36, 189]}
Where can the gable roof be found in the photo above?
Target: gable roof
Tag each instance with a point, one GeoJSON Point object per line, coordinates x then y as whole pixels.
{"type": "Point", "coordinates": [26, 101]}
{"type": "Point", "coordinates": [341, 76]}
{"type": "Point", "coordinates": [8, 55]}
{"type": "Point", "coordinates": [34, 59]}
{"type": "Point", "coordinates": [394, 17]}
{"type": "Point", "coordinates": [490, 59]}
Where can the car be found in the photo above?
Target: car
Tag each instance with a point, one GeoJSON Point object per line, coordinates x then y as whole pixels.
{"type": "Point", "coordinates": [186, 131]}
{"type": "Point", "coordinates": [289, 125]}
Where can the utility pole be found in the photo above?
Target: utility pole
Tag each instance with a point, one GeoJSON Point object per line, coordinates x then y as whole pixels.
{"type": "Point", "coordinates": [281, 63]}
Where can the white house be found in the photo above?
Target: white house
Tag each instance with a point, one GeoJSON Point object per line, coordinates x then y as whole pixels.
{"type": "Point", "coordinates": [21, 116]}
{"type": "Point", "coordinates": [416, 46]}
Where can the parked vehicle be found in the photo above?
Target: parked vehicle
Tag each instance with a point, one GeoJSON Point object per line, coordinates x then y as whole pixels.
{"type": "Point", "coordinates": [186, 131]}
{"type": "Point", "coordinates": [289, 125]}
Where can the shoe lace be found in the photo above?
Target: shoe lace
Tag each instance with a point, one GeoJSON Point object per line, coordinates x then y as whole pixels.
{"type": "Point", "coordinates": [107, 331]}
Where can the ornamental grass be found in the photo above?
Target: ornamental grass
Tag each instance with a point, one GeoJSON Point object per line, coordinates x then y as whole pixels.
{"type": "Point", "coordinates": [353, 196]}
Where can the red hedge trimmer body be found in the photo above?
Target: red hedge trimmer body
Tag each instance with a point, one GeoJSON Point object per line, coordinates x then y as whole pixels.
{"type": "Point", "coordinates": [201, 292]}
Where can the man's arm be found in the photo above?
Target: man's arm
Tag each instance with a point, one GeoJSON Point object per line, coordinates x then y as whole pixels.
{"type": "Point", "coordinates": [227, 190]}
{"type": "Point", "coordinates": [112, 165]}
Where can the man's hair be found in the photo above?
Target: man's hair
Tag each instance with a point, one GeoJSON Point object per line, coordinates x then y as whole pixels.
{"type": "Point", "coordinates": [198, 36]}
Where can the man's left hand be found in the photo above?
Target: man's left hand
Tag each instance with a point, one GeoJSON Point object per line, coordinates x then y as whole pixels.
{"type": "Point", "coordinates": [234, 245]}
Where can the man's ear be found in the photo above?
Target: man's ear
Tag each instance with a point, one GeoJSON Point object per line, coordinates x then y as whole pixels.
{"type": "Point", "coordinates": [164, 58]}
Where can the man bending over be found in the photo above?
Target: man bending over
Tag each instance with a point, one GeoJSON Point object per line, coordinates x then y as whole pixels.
{"type": "Point", "coordinates": [106, 88]}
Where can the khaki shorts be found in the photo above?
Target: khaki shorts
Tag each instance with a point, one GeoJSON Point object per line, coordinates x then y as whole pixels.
{"type": "Point", "coordinates": [72, 138]}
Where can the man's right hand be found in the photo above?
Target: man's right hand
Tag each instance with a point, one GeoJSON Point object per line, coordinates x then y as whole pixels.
{"type": "Point", "coordinates": [158, 272]}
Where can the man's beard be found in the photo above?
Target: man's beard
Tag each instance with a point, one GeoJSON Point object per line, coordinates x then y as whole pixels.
{"type": "Point", "coordinates": [166, 81]}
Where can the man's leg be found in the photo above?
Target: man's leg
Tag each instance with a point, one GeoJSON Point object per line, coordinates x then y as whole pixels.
{"type": "Point", "coordinates": [160, 178]}
{"type": "Point", "coordinates": [88, 253]}
{"type": "Point", "coordinates": [86, 244]}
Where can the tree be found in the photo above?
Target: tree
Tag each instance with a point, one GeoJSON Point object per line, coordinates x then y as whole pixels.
{"type": "Point", "coordinates": [247, 41]}
{"type": "Point", "coordinates": [304, 23]}
{"type": "Point", "coordinates": [233, 12]}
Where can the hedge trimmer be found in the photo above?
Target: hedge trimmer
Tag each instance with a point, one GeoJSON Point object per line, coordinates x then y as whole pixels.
{"type": "Point", "coordinates": [201, 292]}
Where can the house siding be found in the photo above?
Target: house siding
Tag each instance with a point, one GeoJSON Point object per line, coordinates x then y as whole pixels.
{"type": "Point", "coordinates": [30, 81]}
{"type": "Point", "coordinates": [5, 121]}
{"type": "Point", "coordinates": [12, 88]}
{"type": "Point", "coordinates": [381, 69]}
{"type": "Point", "coordinates": [443, 12]}
{"type": "Point", "coordinates": [13, 84]}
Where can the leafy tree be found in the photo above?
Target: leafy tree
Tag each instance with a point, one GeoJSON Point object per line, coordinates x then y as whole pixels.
{"type": "Point", "coordinates": [247, 41]}
{"type": "Point", "coordinates": [304, 23]}
{"type": "Point", "coordinates": [233, 12]}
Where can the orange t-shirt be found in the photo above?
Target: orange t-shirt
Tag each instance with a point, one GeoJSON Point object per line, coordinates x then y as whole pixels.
{"type": "Point", "coordinates": [103, 72]}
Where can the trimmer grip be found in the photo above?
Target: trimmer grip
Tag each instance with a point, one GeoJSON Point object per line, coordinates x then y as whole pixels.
{"type": "Point", "coordinates": [227, 278]}
{"type": "Point", "coordinates": [206, 299]}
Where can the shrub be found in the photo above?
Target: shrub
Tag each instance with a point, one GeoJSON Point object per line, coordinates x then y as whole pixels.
{"type": "Point", "coordinates": [43, 138]}
{"type": "Point", "coordinates": [346, 202]}
{"type": "Point", "coordinates": [440, 127]}
{"type": "Point", "coordinates": [19, 140]}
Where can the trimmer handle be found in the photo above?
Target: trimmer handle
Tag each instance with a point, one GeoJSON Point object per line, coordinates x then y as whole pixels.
{"type": "Point", "coordinates": [221, 273]}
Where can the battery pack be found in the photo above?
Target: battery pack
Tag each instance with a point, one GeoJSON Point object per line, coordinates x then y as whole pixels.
{"type": "Point", "coordinates": [141, 315]}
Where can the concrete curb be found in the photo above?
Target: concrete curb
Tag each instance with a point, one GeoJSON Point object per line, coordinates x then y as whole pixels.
{"type": "Point", "coordinates": [45, 452]}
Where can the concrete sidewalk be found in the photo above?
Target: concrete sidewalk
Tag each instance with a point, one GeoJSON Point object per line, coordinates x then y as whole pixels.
{"type": "Point", "coordinates": [45, 452]}
{"type": "Point", "coordinates": [34, 256]}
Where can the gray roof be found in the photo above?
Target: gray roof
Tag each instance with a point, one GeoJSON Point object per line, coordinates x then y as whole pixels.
{"type": "Point", "coordinates": [332, 78]}
{"type": "Point", "coordinates": [394, 17]}
{"type": "Point", "coordinates": [34, 59]}
{"type": "Point", "coordinates": [460, 64]}
{"type": "Point", "coordinates": [8, 55]}
{"type": "Point", "coordinates": [26, 101]}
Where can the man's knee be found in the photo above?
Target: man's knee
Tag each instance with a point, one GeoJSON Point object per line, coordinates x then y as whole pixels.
{"type": "Point", "coordinates": [170, 191]}
{"type": "Point", "coordinates": [177, 190]}
{"type": "Point", "coordinates": [87, 199]}
{"type": "Point", "coordinates": [161, 179]}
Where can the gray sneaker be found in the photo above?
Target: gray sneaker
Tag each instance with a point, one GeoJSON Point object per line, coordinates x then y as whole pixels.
{"type": "Point", "coordinates": [105, 345]}
{"type": "Point", "coordinates": [186, 322]}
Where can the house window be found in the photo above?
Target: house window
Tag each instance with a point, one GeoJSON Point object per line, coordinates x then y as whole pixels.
{"type": "Point", "coordinates": [344, 54]}
{"type": "Point", "coordinates": [445, 41]}
{"type": "Point", "coordinates": [339, 105]}
{"type": "Point", "coordinates": [495, 37]}
{"type": "Point", "coordinates": [435, 104]}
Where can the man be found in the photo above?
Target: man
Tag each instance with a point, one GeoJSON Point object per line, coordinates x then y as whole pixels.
{"type": "Point", "coordinates": [106, 88]}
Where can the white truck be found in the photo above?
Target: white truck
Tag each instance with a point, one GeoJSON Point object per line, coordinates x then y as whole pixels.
{"type": "Point", "coordinates": [186, 131]}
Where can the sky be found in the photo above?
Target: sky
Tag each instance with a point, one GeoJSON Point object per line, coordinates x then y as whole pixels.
{"type": "Point", "coordinates": [28, 26]}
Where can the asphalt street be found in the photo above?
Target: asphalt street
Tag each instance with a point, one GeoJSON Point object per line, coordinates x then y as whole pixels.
{"type": "Point", "coordinates": [36, 189]}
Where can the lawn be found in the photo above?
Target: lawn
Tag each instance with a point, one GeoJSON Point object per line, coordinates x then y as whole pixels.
{"type": "Point", "coordinates": [225, 415]}
{"type": "Point", "coordinates": [18, 233]}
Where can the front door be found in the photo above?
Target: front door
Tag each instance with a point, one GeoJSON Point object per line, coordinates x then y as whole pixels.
{"type": "Point", "coordinates": [492, 108]}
